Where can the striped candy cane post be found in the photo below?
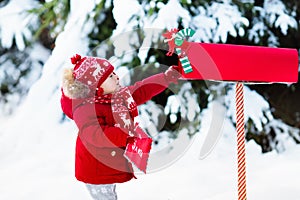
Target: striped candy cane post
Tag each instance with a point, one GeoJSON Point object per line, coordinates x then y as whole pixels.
{"type": "Point", "coordinates": [241, 151]}
{"type": "Point", "coordinates": [179, 39]}
{"type": "Point", "coordinates": [186, 65]}
{"type": "Point", "coordinates": [182, 34]}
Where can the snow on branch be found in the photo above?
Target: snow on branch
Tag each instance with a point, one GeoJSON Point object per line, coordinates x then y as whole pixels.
{"type": "Point", "coordinates": [14, 23]}
{"type": "Point", "coordinates": [276, 13]}
{"type": "Point", "coordinates": [217, 21]}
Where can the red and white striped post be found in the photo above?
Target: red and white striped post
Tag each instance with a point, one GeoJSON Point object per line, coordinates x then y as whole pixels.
{"type": "Point", "coordinates": [241, 150]}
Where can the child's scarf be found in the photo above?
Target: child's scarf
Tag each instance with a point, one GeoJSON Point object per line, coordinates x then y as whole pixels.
{"type": "Point", "coordinates": [123, 106]}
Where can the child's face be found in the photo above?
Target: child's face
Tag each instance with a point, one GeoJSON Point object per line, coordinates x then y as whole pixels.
{"type": "Point", "coordinates": [111, 84]}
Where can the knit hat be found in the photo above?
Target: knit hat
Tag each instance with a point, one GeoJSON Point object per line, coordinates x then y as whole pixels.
{"type": "Point", "coordinates": [91, 71]}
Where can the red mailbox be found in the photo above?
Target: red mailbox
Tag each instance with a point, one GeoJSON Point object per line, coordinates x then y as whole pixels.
{"type": "Point", "coordinates": [227, 62]}
{"type": "Point", "coordinates": [238, 63]}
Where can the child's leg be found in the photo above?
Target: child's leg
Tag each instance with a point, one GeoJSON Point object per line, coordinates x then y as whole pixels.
{"type": "Point", "coordinates": [103, 191]}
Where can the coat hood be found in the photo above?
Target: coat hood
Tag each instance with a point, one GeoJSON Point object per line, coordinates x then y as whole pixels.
{"type": "Point", "coordinates": [72, 88]}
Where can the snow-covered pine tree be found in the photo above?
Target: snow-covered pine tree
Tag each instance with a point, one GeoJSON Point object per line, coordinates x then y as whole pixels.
{"type": "Point", "coordinates": [252, 22]}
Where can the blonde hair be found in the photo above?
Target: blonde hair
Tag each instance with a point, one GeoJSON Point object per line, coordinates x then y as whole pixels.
{"type": "Point", "coordinates": [73, 88]}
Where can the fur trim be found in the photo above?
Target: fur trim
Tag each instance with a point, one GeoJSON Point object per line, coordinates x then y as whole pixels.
{"type": "Point", "coordinates": [73, 88]}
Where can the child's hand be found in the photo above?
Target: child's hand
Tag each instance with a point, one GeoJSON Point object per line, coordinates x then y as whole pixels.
{"type": "Point", "coordinates": [131, 140]}
{"type": "Point", "coordinates": [172, 74]}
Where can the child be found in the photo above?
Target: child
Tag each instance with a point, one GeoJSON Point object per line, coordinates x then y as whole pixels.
{"type": "Point", "coordinates": [104, 113]}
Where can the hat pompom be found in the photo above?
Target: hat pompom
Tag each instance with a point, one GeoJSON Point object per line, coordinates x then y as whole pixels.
{"type": "Point", "coordinates": [76, 59]}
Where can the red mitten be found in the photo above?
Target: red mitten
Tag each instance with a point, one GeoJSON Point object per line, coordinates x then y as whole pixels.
{"type": "Point", "coordinates": [172, 74]}
{"type": "Point", "coordinates": [131, 140]}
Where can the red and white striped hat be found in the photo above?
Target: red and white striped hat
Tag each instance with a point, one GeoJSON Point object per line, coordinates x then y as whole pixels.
{"type": "Point", "coordinates": [91, 71]}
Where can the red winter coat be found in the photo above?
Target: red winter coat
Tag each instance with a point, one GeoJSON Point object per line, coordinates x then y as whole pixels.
{"type": "Point", "coordinates": [100, 146]}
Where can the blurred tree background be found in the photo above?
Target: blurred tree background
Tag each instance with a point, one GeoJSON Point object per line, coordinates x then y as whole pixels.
{"type": "Point", "coordinates": [273, 23]}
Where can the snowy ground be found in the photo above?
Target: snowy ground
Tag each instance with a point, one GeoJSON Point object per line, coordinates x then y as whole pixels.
{"type": "Point", "coordinates": [42, 167]}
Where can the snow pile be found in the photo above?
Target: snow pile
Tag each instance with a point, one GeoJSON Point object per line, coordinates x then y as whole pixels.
{"type": "Point", "coordinates": [43, 168]}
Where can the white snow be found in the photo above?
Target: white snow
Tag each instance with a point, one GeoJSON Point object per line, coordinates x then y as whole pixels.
{"type": "Point", "coordinates": [167, 18]}
{"type": "Point", "coordinates": [37, 149]}
{"type": "Point", "coordinates": [40, 165]}
{"type": "Point", "coordinates": [14, 23]}
{"type": "Point", "coordinates": [228, 18]}
{"type": "Point", "coordinates": [255, 107]}
{"type": "Point", "coordinates": [132, 7]}
{"type": "Point", "coordinates": [278, 15]}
